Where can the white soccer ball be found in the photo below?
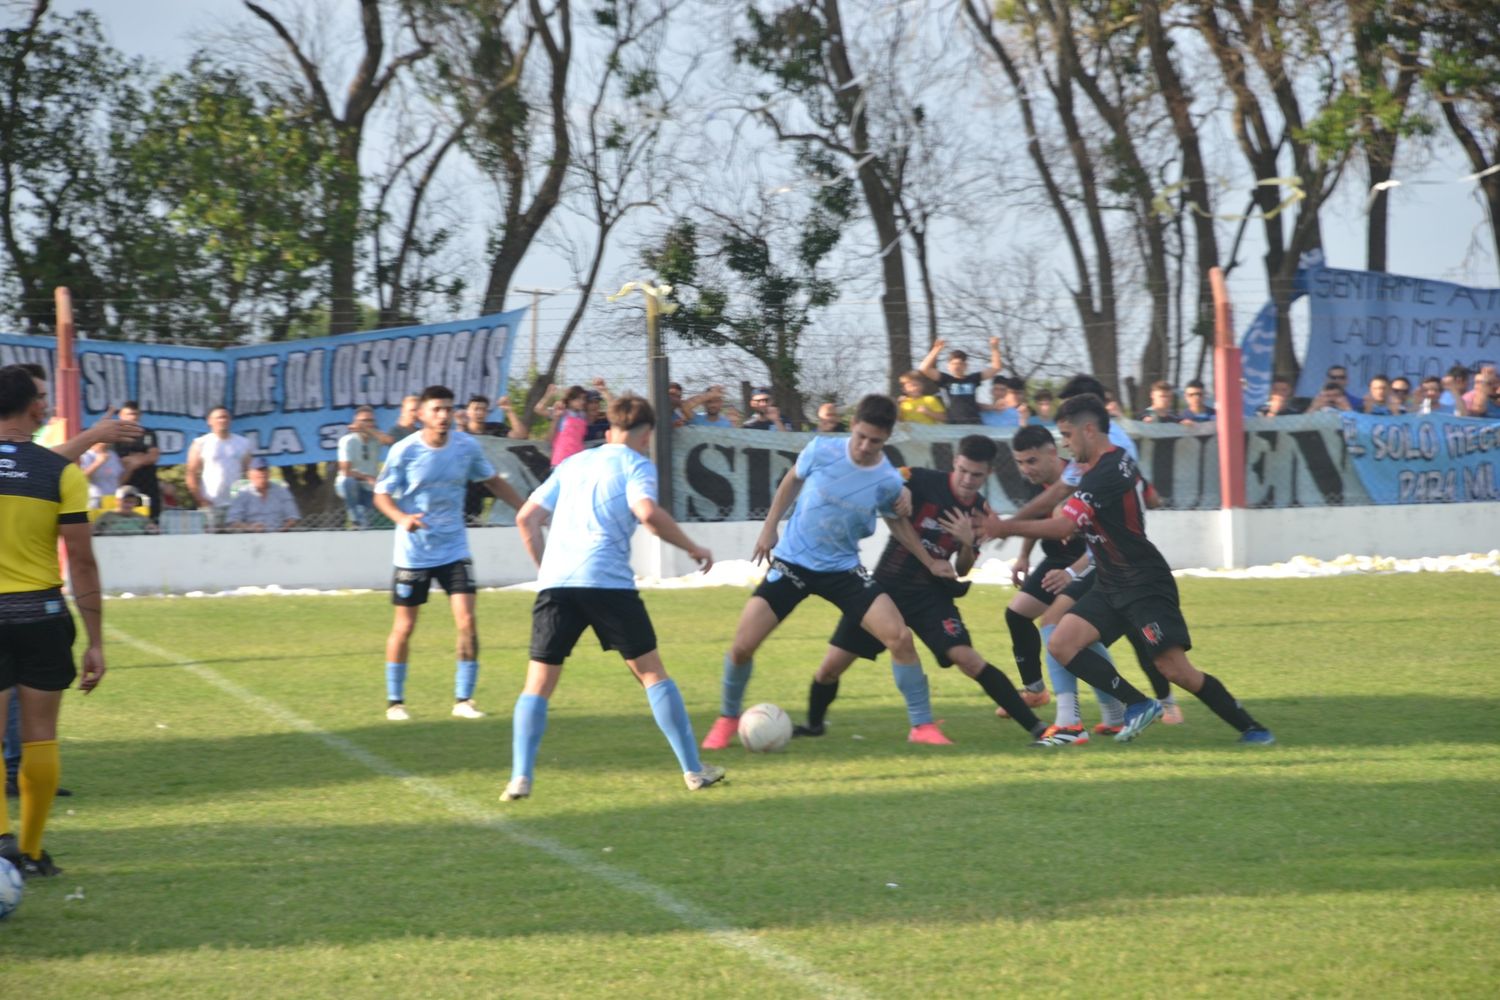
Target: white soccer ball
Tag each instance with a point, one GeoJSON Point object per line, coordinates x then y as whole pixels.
{"type": "Point", "coordinates": [11, 888]}
{"type": "Point", "coordinates": [765, 728]}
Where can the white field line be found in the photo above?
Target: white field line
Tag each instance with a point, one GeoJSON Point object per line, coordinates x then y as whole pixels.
{"type": "Point", "coordinates": [692, 916]}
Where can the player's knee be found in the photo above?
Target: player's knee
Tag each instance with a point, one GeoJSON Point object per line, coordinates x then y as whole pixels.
{"type": "Point", "coordinates": [1061, 649]}
{"type": "Point", "coordinates": [900, 641]}
{"type": "Point", "coordinates": [1015, 619]}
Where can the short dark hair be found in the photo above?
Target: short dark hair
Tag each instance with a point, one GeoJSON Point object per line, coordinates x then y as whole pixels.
{"type": "Point", "coordinates": [477, 398]}
{"type": "Point", "coordinates": [1431, 378]}
{"type": "Point", "coordinates": [1459, 371]}
{"type": "Point", "coordinates": [978, 448]}
{"type": "Point", "coordinates": [34, 370]}
{"type": "Point", "coordinates": [130, 404]}
{"type": "Point", "coordinates": [435, 392]}
{"type": "Point", "coordinates": [1080, 384]}
{"type": "Point", "coordinates": [629, 411]}
{"type": "Point", "coordinates": [1196, 383]}
{"type": "Point", "coordinates": [961, 355]}
{"type": "Point", "coordinates": [1089, 407]}
{"type": "Point", "coordinates": [1042, 396]}
{"type": "Point", "coordinates": [17, 390]}
{"type": "Point", "coordinates": [360, 409]}
{"type": "Point", "coordinates": [1334, 368]}
{"type": "Point", "coordinates": [1162, 385]}
{"type": "Point", "coordinates": [1032, 436]}
{"type": "Point", "coordinates": [876, 410]}
{"type": "Point", "coordinates": [1380, 378]}
{"type": "Point", "coordinates": [215, 409]}
{"type": "Point", "coordinates": [574, 392]}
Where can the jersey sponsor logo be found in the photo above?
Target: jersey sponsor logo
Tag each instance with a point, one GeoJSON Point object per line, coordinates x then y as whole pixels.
{"type": "Point", "coordinates": [410, 575]}
{"type": "Point", "coordinates": [864, 576]}
{"type": "Point", "coordinates": [8, 449]}
{"type": "Point", "coordinates": [779, 569]}
{"type": "Point", "coordinates": [1153, 633]}
{"type": "Point", "coordinates": [53, 607]}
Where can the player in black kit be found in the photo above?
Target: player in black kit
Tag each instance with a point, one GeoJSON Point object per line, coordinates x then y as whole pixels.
{"type": "Point", "coordinates": [1135, 594]}
{"type": "Point", "coordinates": [944, 510]}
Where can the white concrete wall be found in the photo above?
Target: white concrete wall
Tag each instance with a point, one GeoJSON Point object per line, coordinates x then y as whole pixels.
{"type": "Point", "coordinates": [1189, 539]}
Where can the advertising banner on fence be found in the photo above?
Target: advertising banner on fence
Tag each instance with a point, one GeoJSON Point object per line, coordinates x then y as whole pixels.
{"type": "Point", "coordinates": [1390, 324]}
{"type": "Point", "coordinates": [292, 399]}
{"type": "Point", "coordinates": [1425, 459]}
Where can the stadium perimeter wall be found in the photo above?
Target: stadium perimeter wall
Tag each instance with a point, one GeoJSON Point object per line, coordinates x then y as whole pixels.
{"type": "Point", "coordinates": [328, 560]}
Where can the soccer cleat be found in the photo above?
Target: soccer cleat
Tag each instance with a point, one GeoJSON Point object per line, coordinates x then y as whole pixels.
{"type": "Point", "coordinates": [1171, 713]}
{"type": "Point", "coordinates": [38, 867]}
{"type": "Point", "coordinates": [1137, 718]}
{"type": "Point", "coordinates": [721, 733]}
{"type": "Point", "coordinates": [1036, 699]}
{"type": "Point", "coordinates": [711, 774]}
{"type": "Point", "coordinates": [928, 733]}
{"type": "Point", "coordinates": [1105, 729]}
{"type": "Point", "coordinates": [1002, 713]}
{"type": "Point", "coordinates": [397, 712]}
{"type": "Point", "coordinates": [1258, 736]}
{"type": "Point", "coordinates": [518, 788]}
{"type": "Point", "coordinates": [800, 730]}
{"type": "Point", "coordinates": [465, 710]}
{"type": "Point", "coordinates": [1062, 736]}
{"type": "Point", "coordinates": [9, 850]}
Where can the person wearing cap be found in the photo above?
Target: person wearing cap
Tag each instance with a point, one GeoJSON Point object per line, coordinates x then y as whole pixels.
{"type": "Point", "coordinates": [764, 416]}
{"type": "Point", "coordinates": [263, 505]}
{"type": "Point", "coordinates": [126, 519]}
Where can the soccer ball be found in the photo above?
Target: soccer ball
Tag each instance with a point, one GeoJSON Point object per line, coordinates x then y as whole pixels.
{"type": "Point", "coordinates": [11, 887]}
{"type": "Point", "coordinates": [765, 728]}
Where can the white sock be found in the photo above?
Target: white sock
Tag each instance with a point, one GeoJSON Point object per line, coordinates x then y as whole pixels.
{"type": "Point", "coordinates": [1067, 711]}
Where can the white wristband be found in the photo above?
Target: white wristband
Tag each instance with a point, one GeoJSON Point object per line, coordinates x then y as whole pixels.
{"type": "Point", "coordinates": [1069, 570]}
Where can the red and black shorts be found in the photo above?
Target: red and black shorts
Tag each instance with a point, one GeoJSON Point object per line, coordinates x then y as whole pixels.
{"type": "Point", "coordinates": [1151, 618]}
{"type": "Point", "coordinates": [930, 614]}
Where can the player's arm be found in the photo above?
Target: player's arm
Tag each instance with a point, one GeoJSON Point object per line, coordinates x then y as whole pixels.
{"type": "Point", "coordinates": [1054, 528]}
{"type": "Point", "coordinates": [906, 535]}
{"type": "Point", "coordinates": [1022, 566]}
{"type": "Point", "coordinates": [195, 475]}
{"type": "Point", "coordinates": [504, 491]}
{"type": "Point", "coordinates": [664, 526]}
{"type": "Point", "coordinates": [960, 526]}
{"type": "Point", "coordinates": [1044, 502]}
{"type": "Point", "coordinates": [786, 495]}
{"type": "Point", "coordinates": [993, 369]}
{"type": "Point", "coordinates": [386, 504]}
{"type": "Point", "coordinates": [108, 428]}
{"type": "Point", "coordinates": [1057, 580]}
{"type": "Point", "coordinates": [530, 519]}
{"type": "Point", "coordinates": [83, 573]}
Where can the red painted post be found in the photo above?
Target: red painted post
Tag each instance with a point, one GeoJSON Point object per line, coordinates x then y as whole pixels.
{"type": "Point", "coordinates": [65, 382]}
{"type": "Point", "coordinates": [1228, 398]}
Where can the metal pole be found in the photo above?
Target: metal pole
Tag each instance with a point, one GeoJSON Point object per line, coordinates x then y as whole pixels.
{"type": "Point", "coordinates": [661, 402]}
{"type": "Point", "coordinates": [65, 388]}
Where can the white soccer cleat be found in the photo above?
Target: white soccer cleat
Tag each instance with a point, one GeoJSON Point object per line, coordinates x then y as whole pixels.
{"type": "Point", "coordinates": [711, 774]}
{"type": "Point", "coordinates": [397, 713]}
{"type": "Point", "coordinates": [465, 710]}
{"type": "Point", "coordinates": [519, 788]}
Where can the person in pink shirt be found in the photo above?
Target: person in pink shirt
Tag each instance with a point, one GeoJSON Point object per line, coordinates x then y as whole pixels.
{"type": "Point", "coordinates": [569, 423]}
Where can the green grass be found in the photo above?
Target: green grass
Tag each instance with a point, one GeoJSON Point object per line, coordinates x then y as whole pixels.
{"type": "Point", "coordinates": [223, 851]}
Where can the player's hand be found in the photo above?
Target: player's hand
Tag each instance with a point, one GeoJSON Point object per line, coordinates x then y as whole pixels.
{"type": "Point", "coordinates": [701, 556]}
{"type": "Point", "coordinates": [942, 569]}
{"type": "Point", "coordinates": [93, 669]}
{"type": "Point", "coordinates": [598, 382]}
{"type": "Point", "coordinates": [112, 430]}
{"type": "Point", "coordinates": [413, 522]}
{"type": "Point", "coordinates": [1019, 570]}
{"type": "Point", "coordinates": [940, 343]}
{"type": "Point", "coordinates": [956, 523]}
{"type": "Point", "coordinates": [503, 402]}
{"type": "Point", "coordinates": [902, 504]}
{"type": "Point", "coordinates": [995, 343]}
{"type": "Point", "coordinates": [1056, 581]}
{"type": "Point", "coordinates": [995, 527]}
{"type": "Point", "coordinates": [763, 546]}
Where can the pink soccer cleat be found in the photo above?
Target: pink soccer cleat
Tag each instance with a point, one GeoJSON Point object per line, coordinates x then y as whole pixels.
{"type": "Point", "coordinates": [721, 733]}
{"type": "Point", "coordinates": [929, 733]}
{"type": "Point", "coordinates": [1171, 715]}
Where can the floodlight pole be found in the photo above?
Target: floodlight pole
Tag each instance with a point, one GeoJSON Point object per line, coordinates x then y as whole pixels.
{"type": "Point", "coordinates": [660, 380]}
{"type": "Point", "coordinates": [1230, 424]}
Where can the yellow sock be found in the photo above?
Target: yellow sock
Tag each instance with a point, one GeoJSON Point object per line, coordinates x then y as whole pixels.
{"type": "Point", "coordinates": [40, 769]}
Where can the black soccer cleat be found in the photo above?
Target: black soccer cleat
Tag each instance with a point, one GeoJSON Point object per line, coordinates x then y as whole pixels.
{"type": "Point", "coordinates": [38, 867]}
{"type": "Point", "coordinates": [9, 849]}
{"type": "Point", "coordinates": [800, 730]}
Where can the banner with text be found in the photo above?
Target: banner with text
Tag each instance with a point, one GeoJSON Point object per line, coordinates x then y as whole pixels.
{"type": "Point", "coordinates": [292, 399]}
{"type": "Point", "coordinates": [1425, 459]}
{"type": "Point", "coordinates": [1374, 323]}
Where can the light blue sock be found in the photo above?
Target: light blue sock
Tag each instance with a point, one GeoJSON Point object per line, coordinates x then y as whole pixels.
{"type": "Point", "coordinates": [1063, 682]}
{"type": "Point", "coordinates": [672, 718]}
{"type": "Point", "coordinates": [912, 683]}
{"type": "Point", "coordinates": [527, 727]}
{"type": "Point", "coordinates": [1111, 709]}
{"type": "Point", "coordinates": [395, 681]}
{"type": "Point", "coordinates": [736, 678]}
{"type": "Point", "coordinates": [464, 679]}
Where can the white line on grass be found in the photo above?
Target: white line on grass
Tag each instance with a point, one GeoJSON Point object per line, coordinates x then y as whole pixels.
{"type": "Point", "coordinates": [695, 917]}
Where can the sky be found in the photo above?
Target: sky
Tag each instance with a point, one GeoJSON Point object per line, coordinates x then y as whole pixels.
{"type": "Point", "coordinates": [1437, 225]}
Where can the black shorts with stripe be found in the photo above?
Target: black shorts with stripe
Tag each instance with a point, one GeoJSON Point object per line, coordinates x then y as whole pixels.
{"type": "Point", "coordinates": [1150, 617]}
{"type": "Point", "coordinates": [409, 587]}
{"type": "Point", "coordinates": [618, 618]}
{"type": "Point", "coordinates": [787, 585]}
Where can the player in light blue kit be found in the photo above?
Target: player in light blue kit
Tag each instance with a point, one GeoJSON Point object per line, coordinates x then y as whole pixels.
{"type": "Point", "coordinates": [421, 489]}
{"type": "Point", "coordinates": [845, 484]}
{"type": "Point", "coordinates": [594, 500]}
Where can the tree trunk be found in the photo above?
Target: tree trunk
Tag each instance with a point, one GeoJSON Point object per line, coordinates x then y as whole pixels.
{"type": "Point", "coordinates": [1480, 160]}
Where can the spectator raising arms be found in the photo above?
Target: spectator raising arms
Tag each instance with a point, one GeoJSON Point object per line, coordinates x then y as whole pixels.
{"type": "Point", "coordinates": [960, 386]}
{"type": "Point", "coordinates": [569, 423]}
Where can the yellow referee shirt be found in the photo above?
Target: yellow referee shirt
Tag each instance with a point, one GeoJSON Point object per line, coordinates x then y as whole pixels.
{"type": "Point", "coordinates": [39, 490]}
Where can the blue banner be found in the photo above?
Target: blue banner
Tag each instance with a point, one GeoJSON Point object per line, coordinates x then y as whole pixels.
{"type": "Point", "coordinates": [293, 399]}
{"type": "Point", "coordinates": [1374, 323]}
{"type": "Point", "coordinates": [1257, 355]}
{"type": "Point", "coordinates": [1424, 459]}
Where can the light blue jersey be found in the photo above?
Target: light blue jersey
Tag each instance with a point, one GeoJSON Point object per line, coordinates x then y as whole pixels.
{"type": "Point", "coordinates": [837, 506]}
{"type": "Point", "coordinates": [431, 481]}
{"type": "Point", "coordinates": [590, 496]}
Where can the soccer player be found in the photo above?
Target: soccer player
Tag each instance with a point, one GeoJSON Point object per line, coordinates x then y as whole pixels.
{"type": "Point", "coordinates": [944, 508]}
{"type": "Point", "coordinates": [421, 489]}
{"type": "Point", "coordinates": [848, 481]}
{"type": "Point", "coordinates": [1063, 576]}
{"type": "Point", "coordinates": [594, 500]}
{"type": "Point", "coordinates": [1135, 595]}
{"type": "Point", "coordinates": [43, 497]}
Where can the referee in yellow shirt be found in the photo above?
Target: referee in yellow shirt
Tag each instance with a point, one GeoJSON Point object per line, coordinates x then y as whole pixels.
{"type": "Point", "coordinates": [43, 496]}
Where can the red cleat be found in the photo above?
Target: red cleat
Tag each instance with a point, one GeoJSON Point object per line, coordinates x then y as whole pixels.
{"type": "Point", "coordinates": [721, 733]}
{"type": "Point", "coordinates": [929, 733]}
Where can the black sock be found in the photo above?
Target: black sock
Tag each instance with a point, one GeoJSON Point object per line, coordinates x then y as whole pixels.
{"type": "Point", "coordinates": [819, 697]}
{"type": "Point", "coordinates": [1217, 697]}
{"type": "Point", "coordinates": [1003, 693]}
{"type": "Point", "coordinates": [1091, 668]}
{"type": "Point", "coordinates": [1026, 641]}
{"type": "Point", "coordinates": [1160, 686]}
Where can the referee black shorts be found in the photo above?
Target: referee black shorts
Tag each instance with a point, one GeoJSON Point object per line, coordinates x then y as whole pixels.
{"type": "Point", "coordinates": [852, 591]}
{"type": "Point", "coordinates": [618, 618]}
{"type": "Point", "coordinates": [930, 614]}
{"type": "Point", "coordinates": [38, 654]}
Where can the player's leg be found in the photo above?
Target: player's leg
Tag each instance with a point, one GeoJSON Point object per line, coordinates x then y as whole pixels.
{"type": "Point", "coordinates": [409, 589]}
{"type": "Point", "coordinates": [555, 628]}
{"type": "Point", "coordinates": [848, 643]}
{"type": "Point", "coordinates": [1093, 620]}
{"type": "Point", "coordinates": [8, 700]}
{"type": "Point", "coordinates": [1064, 683]}
{"type": "Point", "coordinates": [885, 622]}
{"type": "Point", "coordinates": [995, 684]}
{"type": "Point", "coordinates": [38, 776]}
{"type": "Point", "coordinates": [770, 603]}
{"type": "Point", "coordinates": [1161, 688]}
{"type": "Point", "coordinates": [466, 656]}
{"type": "Point", "coordinates": [671, 716]}
{"type": "Point", "coordinates": [1025, 642]}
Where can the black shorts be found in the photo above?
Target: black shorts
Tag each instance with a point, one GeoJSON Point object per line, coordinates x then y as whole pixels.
{"type": "Point", "coordinates": [852, 591]}
{"type": "Point", "coordinates": [1150, 618]}
{"type": "Point", "coordinates": [1033, 584]}
{"type": "Point", "coordinates": [1077, 588]}
{"type": "Point", "coordinates": [38, 654]}
{"type": "Point", "coordinates": [930, 614]}
{"type": "Point", "coordinates": [618, 618]}
{"type": "Point", "coordinates": [409, 587]}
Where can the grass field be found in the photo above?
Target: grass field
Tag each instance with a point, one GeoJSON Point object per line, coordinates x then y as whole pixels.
{"type": "Point", "coordinates": [246, 824]}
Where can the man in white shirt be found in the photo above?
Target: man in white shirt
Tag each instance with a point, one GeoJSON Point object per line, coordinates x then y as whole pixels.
{"type": "Point", "coordinates": [263, 505]}
{"type": "Point", "coordinates": [359, 464]}
{"type": "Point", "coordinates": [216, 461]}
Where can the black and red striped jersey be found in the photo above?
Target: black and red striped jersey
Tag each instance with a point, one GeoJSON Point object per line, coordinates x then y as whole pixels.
{"type": "Point", "coordinates": [931, 497]}
{"type": "Point", "coordinates": [1109, 509]}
